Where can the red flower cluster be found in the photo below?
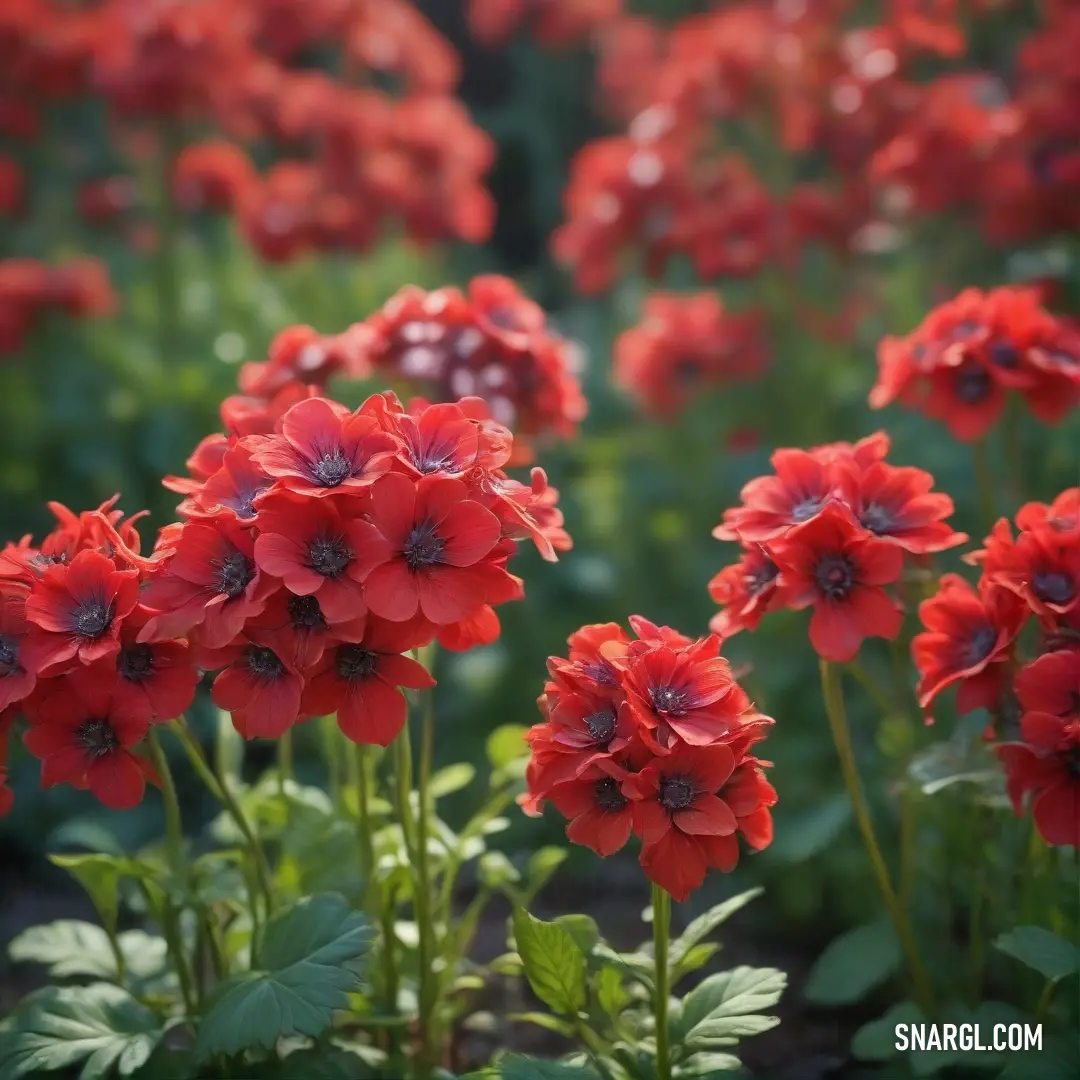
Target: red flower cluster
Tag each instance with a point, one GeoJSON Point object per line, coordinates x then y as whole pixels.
{"type": "Point", "coordinates": [491, 342]}
{"type": "Point", "coordinates": [71, 660]}
{"type": "Point", "coordinates": [651, 734]}
{"type": "Point", "coordinates": [961, 362]}
{"type": "Point", "coordinates": [833, 86]}
{"type": "Point", "coordinates": [830, 529]}
{"type": "Point", "coordinates": [554, 23]}
{"type": "Point", "coordinates": [317, 550]}
{"type": "Point", "coordinates": [352, 156]}
{"type": "Point", "coordinates": [972, 641]}
{"type": "Point", "coordinates": [683, 344]}
{"type": "Point", "coordinates": [29, 289]}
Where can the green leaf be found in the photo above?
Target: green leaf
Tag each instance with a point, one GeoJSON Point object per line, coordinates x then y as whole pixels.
{"type": "Point", "coordinates": [703, 925]}
{"type": "Point", "coordinates": [305, 968]}
{"type": "Point", "coordinates": [1055, 1061]}
{"type": "Point", "coordinates": [450, 779]}
{"type": "Point", "coordinates": [696, 957]}
{"type": "Point", "coordinates": [636, 964]}
{"type": "Point", "coordinates": [496, 870]}
{"type": "Point", "coordinates": [724, 1007]}
{"type": "Point", "coordinates": [709, 1064]}
{"type": "Point", "coordinates": [853, 965]}
{"type": "Point", "coordinates": [100, 876]}
{"type": "Point", "coordinates": [611, 995]}
{"type": "Point", "coordinates": [582, 928]}
{"type": "Point", "coordinates": [506, 744]}
{"type": "Point", "coordinates": [68, 948]}
{"type": "Point", "coordinates": [99, 1027]}
{"type": "Point", "coordinates": [876, 1040]}
{"type": "Point", "coordinates": [544, 1020]}
{"type": "Point", "coordinates": [954, 761]}
{"type": "Point", "coordinates": [812, 831]}
{"type": "Point", "coordinates": [554, 962]}
{"type": "Point", "coordinates": [318, 1063]}
{"type": "Point", "coordinates": [519, 1067]}
{"type": "Point", "coordinates": [1051, 956]}
{"type": "Point", "coordinates": [541, 866]}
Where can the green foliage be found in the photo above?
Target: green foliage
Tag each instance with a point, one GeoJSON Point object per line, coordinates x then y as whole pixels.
{"type": "Point", "coordinates": [1050, 955]}
{"type": "Point", "coordinates": [727, 1007]}
{"type": "Point", "coordinates": [554, 963]}
{"type": "Point", "coordinates": [854, 964]}
{"type": "Point", "coordinates": [305, 966]}
{"type": "Point", "coordinates": [99, 1029]}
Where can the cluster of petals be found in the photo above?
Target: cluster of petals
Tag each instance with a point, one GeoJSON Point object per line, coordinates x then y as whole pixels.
{"type": "Point", "coordinates": [830, 529]}
{"type": "Point", "coordinates": [836, 90]}
{"type": "Point", "coordinates": [684, 344]}
{"type": "Point", "coordinates": [349, 154]}
{"type": "Point", "coordinates": [71, 661]}
{"type": "Point", "coordinates": [649, 733]}
{"type": "Point", "coordinates": [965, 359]}
{"type": "Point", "coordinates": [1011, 645]}
{"type": "Point", "coordinates": [490, 342]}
{"type": "Point", "coordinates": [30, 289]}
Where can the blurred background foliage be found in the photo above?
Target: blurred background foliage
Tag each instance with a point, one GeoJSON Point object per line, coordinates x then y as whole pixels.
{"type": "Point", "coordinates": [92, 408]}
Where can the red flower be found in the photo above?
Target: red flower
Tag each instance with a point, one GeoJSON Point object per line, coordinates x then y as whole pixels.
{"type": "Point", "coordinates": [84, 736]}
{"type": "Point", "coordinates": [16, 681]}
{"type": "Point", "coordinates": [746, 591]}
{"type": "Point", "coordinates": [436, 550]}
{"type": "Point", "coordinates": [260, 684]}
{"type": "Point", "coordinates": [896, 503]}
{"type": "Point", "coordinates": [302, 627]}
{"type": "Point", "coordinates": [211, 581]}
{"type": "Point", "coordinates": [688, 692]}
{"type": "Point", "coordinates": [968, 640]}
{"type": "Point", "coordinates": [803, 484]}
{"type": "Point", "coordinates": [323, 449]}
{"type": "Point", "coordinates": [76, 610]}
{"type": "Point", "coordinates": [360, 682]}
{"type": "Point", "coordinates": [316, 551]}
{"type": "Point", "coordinates": [831, 564]}
{"type": "Point", "coordinates": [688, 807]}
{"type": "Point", "coordinates": [233, 488]}
{"type": "Point", "coordinates": [600, 816]}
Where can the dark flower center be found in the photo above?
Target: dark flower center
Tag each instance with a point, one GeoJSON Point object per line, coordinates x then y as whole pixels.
{"type": "Point", "coordinates": [979, 646]}
{"type": "Point", "coordinates": [666, 699]}
{"type": "Point", "coordinates": [601, 673]}
{"type": "Point", "coordinates": [423, 547]}
{"type": "Point", "coordinates": [356, 662]}
{"type": "Point", "coordinates": [328, 556]}
{"type": "Point", "coordinates": [835, 576]}
{"type": "Point", "coordinates": [1004, 354]}
{"type": "Point", "coordinates": [135, 663]}
{"type": "Point", "coordinates": [332, 469]}
{"type": "Point", "coordinates": [758, 580]}
{"type": "Point", "coordinates": [1053, 587]}
{"type": "Point", "coordinates": [963, 330]}
{"type": "Point", "coordinates": [877, 518]}
{"type": "Point", "coordinates": [972, 385]}
{"type": "Point", "coordinates": [1072, 762]}
{"type": "Point", "coordinates": [607, 796]}
{"type": "Point", "coordinates": [97, 738]}
{"type": "Point", "coordinates": [305, 613]}
{"type": "Point", "coordinates": [686, 371]}
{"type": "Point", "coordinates": [234, 573]}
{"type": "Point", "coordinates": [676, 792]}
{"type": "Point", "coordinates": [9, 654]}
{"type": "Point", "coordinates": [263, 662]}
{"type": "Point", "coordinates": [92, 618]}
{"type": "Point", "coordinates": [806, 509]}
{"type": "Point", "coordinates": [601, 726]}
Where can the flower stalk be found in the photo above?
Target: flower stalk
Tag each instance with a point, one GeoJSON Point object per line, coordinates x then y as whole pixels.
{"type": "Point", "coordinates": [833, 691]}
{"type": "Point", "coordinates": [661, 922]}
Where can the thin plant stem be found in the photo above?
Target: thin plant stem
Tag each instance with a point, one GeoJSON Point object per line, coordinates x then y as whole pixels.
{"type": "Point", "coordinates": [220, 790]}
{"type": "Point", "coordinates": [661, 922]}
{"type": "Point", "coordinates": [984, 482]}
{"type": "Point", "coordinates": [1044, 1000]}
{"type": "Point", "coordinates": [428, 975]}
{"type": "Point", "coordinates": [833, 691]}
{"type": "Point", "coordinates": [330, 736]}
{"type": "Point", "coordinates": [174, 830]}
{"type": "Point", "coordinates": [285, 760]}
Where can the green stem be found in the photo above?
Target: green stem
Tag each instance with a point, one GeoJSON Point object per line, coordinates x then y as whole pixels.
{"type": "Point", "coordinates": [1044, 1000]}
{"type": "Point", "coordinates": [833, 692]}
{"type": "Point", "coordinates": [285, 761]}
{"type": "Point", "coordinates": [174, 832]}
{"type": "Point", "coordinates": [218, 787]}
{"type": "Point", "coordinates": [426, 927]}
{"type": "Point", "coordinates": [661, 921]}
{"type": "Point", "coordinates": [331, 749]}
{"type": "Point", "coordinates": [984, 482]}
